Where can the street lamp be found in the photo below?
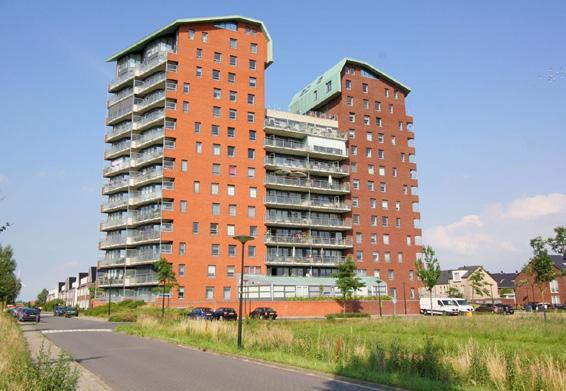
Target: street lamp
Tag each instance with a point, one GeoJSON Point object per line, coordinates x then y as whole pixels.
{"type": "Point", "coordinates": [242, 239]}
{"type": "Point", "coordinates": [379, 295]}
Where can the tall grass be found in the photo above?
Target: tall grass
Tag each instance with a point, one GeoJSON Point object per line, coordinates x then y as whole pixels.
{"type": "Point", "coordinates": [491, 352]}
{"type": "Point", "coordinates": [19, 372]}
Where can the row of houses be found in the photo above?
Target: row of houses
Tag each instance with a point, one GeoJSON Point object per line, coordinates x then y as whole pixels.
{"type": "Point", "coordinates": [75, 291]}
{"type": "Point", "coordinates": [477, 285]}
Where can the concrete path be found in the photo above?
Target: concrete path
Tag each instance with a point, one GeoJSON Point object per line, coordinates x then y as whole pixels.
{"type": "Point", "coordinates": [130, 363]}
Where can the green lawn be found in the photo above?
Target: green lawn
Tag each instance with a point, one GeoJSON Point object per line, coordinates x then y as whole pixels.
{"type": "Point", "coordinates": [421, 353]}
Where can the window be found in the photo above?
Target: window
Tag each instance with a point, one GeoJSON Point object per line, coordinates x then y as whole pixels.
{"type": "Point", "coordinates": [227, 293]}
{"type": "Point", "coordinates": [232, 210]}
{"type": "Point", "coordinates": [251, 117]}
{"type": "Point", "coordinates": [400, 257]}
{"type": "Point", "coordinates": [348, 84]}
{"type": "Point", "coordinates": [214, 228]}
{"type": "Point", "coordinates": [391, 109]}
{"type": "Point", "coordinates": [195, 227]}
{"type": "Point", "coordinates": [215, 169]}
{"type": "Point", "coordinates": [182, 248]}
{"type": "Point", "coordinates": [231, 250]}
{"type": "Point", "coordinates": [356, 200]}
{"type": "Point", "coordinates": [398, 222]}
{"type": "Point", "coordinates": [183, 206]}
{"type": "Point", "coordinates": [211, 271]}
{"type": "Point", "coordinates": [375, 258]}
{"type": "Point", "coordinates": [231, 77]}
{"type": "Point", "coordinates": [381, 170]}
{"type": "Point", "coordinates": [367, 120]}
{"type": "Point", "coordinates": [233, 61]}
{"type": "Point", "coordinates": [232, 170]}
{"type": "Point", "coordinates": [352, 117]}
{"type": "Point", "coordinates": [356, 219]}
{"type": "Point", "coordinates": [251, 99]}
{"type": "Point", "coordinates": [383, 187]}
{"type": "Point", "coordinates": [352, 133]}
{"type": "Point", "coordinates": [356, 184]}
{"type": "Point", "coordinates": [369, 136]}
{"type": "Point", "coordinates": [216, 149]}
{"type": "Point", "coordinates": [216, 112]}
{"type": "Point", "coordinates": [387, 257]}
{"type": "Point", "coordinates": [231, 132]}
{"type": "Point", "coordinates": [373, 238]}
{"type": "Point", "coordinates": [251, 172]}
{"type": "Point", "coordinates": [385, 221]}
{"type": "Point", "coordinates": [181, 292]}
{"type": "Point", "coordinates": [411, 275]}
{"type": "Point", "coordinates": [371, 169]}
{"type": "Point", "coordinates": [412, 294]}
{"type": "Point", "coordinates": [199, 72]}
{"type": "Point", "coordinates": [204, 37]}
{"type": "Point", "coordinates": [354, 150]}
{"type": "Point", "coordinates": [233, 43]}
{"type": "Point", "coordinates": [401, 125]}
{"type": "Point", "coordinates": [252, 65]}
{"type": "Point", "coordinates": [192, 35]}
{"type": "Point", "coordinates": [185, 106]}
{"type": "Point", "coordinates": [199, 53]}
{"type": "Point", "coordinates": [217, 93]}
{"type": "Point", "coordinates": [215, 250]}
{"type": "Point", "coordinates": [215, 130]}
{"type": "Point", "coordinates": [393, 292]}
{"type": "Point", "coordinates": [209, 292]}
{"type": "Point", "coordinates": [251, 251]}
{"type": "Point", "coordinates": [251, 211]}
{"type": "Point", "coordinates": [230, 270]}
{"type": "Point", "coordinates": [252, 82]}
{"type": "Point", "coordinates": [372, 203]}
{"type": "Point", "coordinates": [251, 153]}
{"type": "Point", "coordinates": [181, 271]}
{"type": "Point", "coordinates": [198, 127]}
{"type": "Point", "coordinates": [381, 154]}
{"type": "Point", "coordinates": [394, 171]}
{"type": "Point", "coordinates": [329, 86]}
{"type": "Point", "coordinates": [231, 190]}
{"type": "Point", "coordinates": [233, 96]}
{"type": "Point", "coordinates": [368, 152]}
{"type": "Point", "coordinates": [186, 88]}
{"type": "Point", "coordinates": [396, 94]}
{"type": "Point", "coordinates": [359, 237]}
{"type": "Point", "coordinates": [230, 229]}
{"type": "Point", "coordinates": [215, 74]}
{"type": "Point", "coordinates": [217, 57]}
{"type": "Point", "coordinates": [397, 206]}
{"type": "Point", "coordinates": [253, 231]}
{"type": "Point", "coordinates": [365, 88]}
{"type": "Point", "coordinates": [253, 48]}
{"type": "Point", "coordinates": [378, 122]}
{"type": "Point", "coordinates": [231, 151]}
{"type": "Point", "coordinates": [214, 188]}
{"type": "Point", "coordinates": [196, 186]}
{"type": "Point", "coordinates": [371, 186]}
{"type": "Point", "coordinates": [253, 192]}
{"type": "Point", "coordinates": [232, 114]}
{"type": "Point", "coordinates": [252, 135]}
{"type": "Point", "coordinates": [385, 205]}
{"type": "Point", "coordinates": [184, 165]}
{"type": "Point", "coordinates": [215, 209]}
{"type": "Point", "coordinates": [373, 221]}
{"type": "Point", "coordinates": [350, 101]}
{"type": "Point", "coordinates": [387, 92]}
{"type": "Point", "coordinates": [409, 240]}
{"type": "Point", "coordinates": [359, 255]}
{"type": "Point", "coordinates": [390, 274]}
{"type": "Point", "coordinates": [354, 167]}
{"type": "Point", "coordinates": [377, 106]}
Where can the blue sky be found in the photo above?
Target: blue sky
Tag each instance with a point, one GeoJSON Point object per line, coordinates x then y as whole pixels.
{"type": "Point", "coordinates": [489, 92]}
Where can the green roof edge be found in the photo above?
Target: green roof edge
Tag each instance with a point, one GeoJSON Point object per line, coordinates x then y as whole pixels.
{"type": "Point", "coordinates": [173, 25]}
{"type": "Point", "coordinates": [303, 101]}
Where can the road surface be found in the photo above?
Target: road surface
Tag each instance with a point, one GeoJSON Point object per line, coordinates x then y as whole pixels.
{"type": "Point", "coordinates": [126, 362]}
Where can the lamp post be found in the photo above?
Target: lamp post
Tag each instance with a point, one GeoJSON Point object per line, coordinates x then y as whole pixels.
{"type": "Point", "coordinates": [242, 239]}
{"type": "Point", "coordinates": [379, 295]}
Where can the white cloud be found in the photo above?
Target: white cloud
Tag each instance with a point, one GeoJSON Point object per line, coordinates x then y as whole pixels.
{"type": "Point", "coordinates": [498, 237]}
{"type": "Point", "coordinates": [534, 207]}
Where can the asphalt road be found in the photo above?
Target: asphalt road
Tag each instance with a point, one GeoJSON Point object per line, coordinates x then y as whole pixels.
{"type": "Point", "coordinates": [125, 362]}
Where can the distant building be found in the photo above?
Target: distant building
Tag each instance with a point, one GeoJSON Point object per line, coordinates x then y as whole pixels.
{"type": "Point", "coordinates": [75, 291]}
{"type": "Point", "coordinates": [505, 284]}
{"type": "Point", "coordinates": [458, 279]}
{"type": "Point", "coordinates": [527, 291]}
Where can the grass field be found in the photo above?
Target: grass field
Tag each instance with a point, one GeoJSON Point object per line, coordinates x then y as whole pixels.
{"type": "Point", "coordinates": [18, 372]}
{"type": "Point", "coordinates": [421, 353]}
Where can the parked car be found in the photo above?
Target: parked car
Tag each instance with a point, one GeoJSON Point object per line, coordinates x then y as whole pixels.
{"type": "Point", "coordinates": [463, 305]}
{"type": "Point", "coordinates": [70, 311]}
{"type": "Point", "coordinates": [503, 309]}
{"type": "Point", "coordinates": [224, 313]}
{"type": "Point", "coordinates": [440, 306]}
{"type": "Point", "coordinates": [200, 313]}
{"type": "Point", "coordinates": [58, 310]}
{"type": "Point", "coordinates": [29, 314]}
{"type": "Point", "coordinates": [263, 313]}
{"type": "Point", "coordinates": [486, 307]}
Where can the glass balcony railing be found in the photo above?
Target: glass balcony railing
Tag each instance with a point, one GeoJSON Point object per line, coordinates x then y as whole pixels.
{"type": "Point", "coordinates": [118, 131]}
{"type": "Point", "coordinates": [116, 149]}
{"type": "Point", "coordinates": [143, 197]}
{"type": "Point", "coordinates": [124, 165]}
{"type": "Point", "coordinates": [304, 260]}
{"type": "Point", "coordinates": [112, 241]}
{"type": "Point", "coordinates": [152, 116]}
{"type": "Point", "coordinates": [309, 221]}
{"type": "Point", "coordinates": [304, 239]}
{"type": "Point", "coordinates": [143, 85]}
{"type": "Point", "coordinates": [307, 183]}
{"type": "Point", "coordinates": [139, 279]}
{"type": "Point", "coordinates": [147, 176]}
{"type": "Point", "coordinates": [145, 236]}
{"type": "Point", "coordinates": [307, 203]}
{"type": "Point", "coordinates": [303, 127]}
{"type": "Point", "coordinates": [312, 165]}
{"type": "Point", "coordinates": [114, 185]}
{"type": "Point", "coordinates": [111, 261]}
{"type": "Point", "coordinates": [138, 257]}
{"type": "Point", "coordinates": [147, 137]}
{"type": "Point", "coordinates": [142, 158]}
{"type": "Point", "coordinates": [138, 216]}
{"type": "Point", "coordinates": [140, 104]}
{"type": "Point", "coordinates": [115, 204]}
{"type": "Point", "coordinates": [112, 223]}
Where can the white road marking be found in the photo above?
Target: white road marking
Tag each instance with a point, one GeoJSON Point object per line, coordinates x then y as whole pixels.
{"type": "Point", "coordinates": [75, 331]}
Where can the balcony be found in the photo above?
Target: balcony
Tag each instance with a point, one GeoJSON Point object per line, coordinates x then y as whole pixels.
{"type": "Point", "coordinates": [144, 237]}
{"type": "Point", "coordinates": [109, 262]}
{"type": "Point", "coordinates": [139, 159]}
{"type": "Point", "coordinates": [112, 242]}
{"type": "Point", "coordinates": [274, 163]}
{"type": "Point", "coordinates": [146, 139]}
{"type": "Point", "coordinates": [145, 217]}
{"type": "Point", "coordinates": [118, 150]}
{"type": "Point", "coordinates": [315, 260]}
{"type": "Point", "coordinates": [118, 131]}
{"type": "Point", "coordinates": [115, 186]}
{"type": "Point", "coordinates": [301, 148]}
{"type": "Point", "coordinates": [303, 240]}
{"type": "Point", "coordinates": [149, 65]}
{"type": "Point", "coordinates": [151, 101]}
{"type": "Point", "coordinates": [120, 112]}
{"type": "Point", "coordinates": [111, 224]}
{"type": "Point", "coordinates": [106, 281]}
{"type": "Point", "coordinates": [335, 169]}
{"type": "Point", "coordinates": [142, 257]}
{"type": "Point", "coordinates": [145, 198]}
{"type": "Point", "coordinates": [150, 84]}
{"type": "Point", "coordinates": [114, 205]}
{"type": "Point", "coordinates": [116, 169]}
{"type": "Point", "coordinates": [316, 167]}
{"type": "Point", "coordinates": [122, 79]}
{"type": "Point", "coordinates": [147, 177]}
{"type": "Point", "coordinates": [290, 128]}
{"type": "Point", "coordinates": [281, 182]}
{"type": "Point", "coordinates": [305, 204]}
{"type": "Point", "coordinates": [150, 119]}
{"type": "Point", "coordinates": [126, 92]}
{"type": "Point", "coordinates": [331, 224]}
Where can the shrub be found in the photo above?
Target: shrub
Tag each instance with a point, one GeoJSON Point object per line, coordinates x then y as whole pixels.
{"type": "Point", "coordinates": [347, 315]}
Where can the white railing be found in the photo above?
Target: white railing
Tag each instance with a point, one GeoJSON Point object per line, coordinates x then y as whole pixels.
{"type": "Point", "coordinates": [308, 260]}
{"type": "Point", "coordinates": [303, 182]}
{"type": "Point", "coordinates": [140, 178]}
{"type": "Point", "coordinates": [110, 223]}
{"type": "Point", "coordinates": [150, 278]}
{"type": "Point", "coordinates": [130, 73]}
{"type": "Point", "coordinates": [330, 222]}
{"type": "Point", "coordinates": [143, 257]}
{"type": "Point", "coordinates": [141, 158]}
{"type": "Point", "coordinates": [142, 85]}
{"type": "Point", "coordinates": [283, 162]}
{"type": "Point", "coordinates": [141, 197]}
{"type": "Point", "coordinates": [122, 202]}
{"type": "Point", "coordinates": [303, 127]}
{"type": "Point", "coordinates": [145, 215]}
{"type": "Point", "coordinates": [120, 95]}
{"type": "Point", "coordinates": [113, 241]}
{"type": "Point", "coordinates": [145, 236]}
{"type": "Point", "coordinates": [315, 203]}
{"type": "Point", "coordinates": [114, 185]}
{"type": "Point", "coordinates": [139, 103]}
{"type": "Point", "coordinates": [115, 168]}
{"type": "Point", "coordinates": [149, 117]}
{"type": "Point", "coordinates": [117, 149]}
{"type": "Point", "coordinates": [123, 128]}
{"type": "Point", "coordinates": [304, 239]}
{"type": "Point", "coordinates": [283, 143]}
{"type": "Point", "coordinates": [147, 137]}
{"type": "Point", "coordinates": [111, 261]}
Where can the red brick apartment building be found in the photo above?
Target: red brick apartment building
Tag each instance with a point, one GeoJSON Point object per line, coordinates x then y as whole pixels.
{"type": "Point", "coordinates": [526, 291]}
{"type": "Point", "coordinates": [194, 158]}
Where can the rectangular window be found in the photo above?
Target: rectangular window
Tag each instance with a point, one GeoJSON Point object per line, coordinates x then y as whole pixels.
{"type": "Point", "coordinates": [251, 117]}
{"type": "Point", "coordinates": [215, 169]}
{"type": "Point", "coordinates": [199, 53]}
{"type": "Point", "coordinates": [185, 106]}
{"type": "Point", "coordinates": [198, 127]}
{"type": "Point", "coordinates": [233, 96]}
{"type": "Point", "coordinates": [251, 154]}
{"type": "Point", "coordinates": [217, 57]}
{"type": "Point", "coordinates": [386, 239]}
{"type": "Point", "coordinates": [192, 35]}
{"type": "Point", "coordinates": [215, 74]}
{"type": "Point", "coordinates": [232, 170]}
{"type": "Point", "coordinates": [253, 192]}
{"type": "Point", "coordinates": [217, 93]}
{"type": "Point", "coordinates": [365, 88]}
{"type": "Point", "coordinates": [252, 65]}
{"type": "Point", "coordinates": [251, 99]}
{"type": "Point", "coordinates": [181, 270]}
{"type": "Point", "coordinates": [216, 112]}
{"type": "Point", "coordinates": [215, 209]}
{"type": "Point", "coordinates": [196, 227]}
{"type": "Point", "coordinates": [186, 88]}
{"type": "Point", "coordinates": [233, 43]}
{"type": "Point", "coordinates": [182, 248]}
{"type": "Point", "coordinates": [253, 231]}
{"type": "Point", "coordinates": [199, 72]}
{"type": "Point", "coordinates": [329, 86]}
{"type": "Point", "coordinates": [214, 228]}
{"type": "Point", "coordinates": [181, 292]}
{"type": "Point", "coordinates": [251, 172]}
{"type": "Point", "coordinates": [252, 82]}
{"type": "Point", "coordinates": [230, 271]}
{"type": "Point", "coordinates": [214, 188]}
{"type": "Point", "coordinates": [348, 84]}
{"type": "Point", "coordinates": [233, 61]}
{"type": "Point", "coordinates": [252, 135]}
{"type": "Point", "coordinates": [231, 77]}
{"type": "Point", "coordinates": [196, 186]}
{"type": "Point", "coordinates": [204, 37]}
{"type": "Point", "coordinates": [253, 48]}
{"type": "Point", "coordinates": [183, 206]}
{"type": "Point", "coordinates": [209, 292]}
{"type": "Point", "coordinates": [216, 149]}
{"type": "Point", "coordinates": [232, 210]}
{"type": "Point", "coordinates": [232, 114]}
{"type": "Point", "coordinates": [215, 250]}
{"type": "Point", "coordinates": [231, 190]}
{"type": "Point", "coordinates": [251, 251]}
{"type": "Point", "coordinates": [377, 106]}
{"type": "Point", "coordinates": [227, 293]}
{"type": "Point", "coordinates": [231, 151]}
{"type": "Point", "coordinates": [231, 132]}
{"type": "Point", "coordinates": [215, 130]}
{"type": "Point", "coordinates": [231, 250]}
{"type": "Point", "coordinates": [251, 211]}
{"type": "Point", "coordinates": [184, 165]}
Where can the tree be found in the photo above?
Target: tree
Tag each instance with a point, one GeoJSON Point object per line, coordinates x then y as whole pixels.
{"type": "Point", "coordinates": [558, 242]}
{"type": "Point", "coordinates": [455, 293]}
{"type": "Point", "coordinates": [428, 270]}
{"type": "Point", "coordinates": [42, 298]}
{"type": "Point", "coordinates": [541, 268]}
{"type": "Point", "coordinates": [477, 283]}
{"type": "Point", "coordinates": [347, 280]}
{"type": "Point", "coordinates": [166, 277]}
{"type": "Point", "coordinates": [10, 285]}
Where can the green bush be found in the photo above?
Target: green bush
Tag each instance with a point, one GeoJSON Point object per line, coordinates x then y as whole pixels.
{"type": "Point", "coordinates": [123, 316]}
{"type": "Point", "coordinates": [102, 311]}
{"type": "Point", "coordinates": [342, 315]}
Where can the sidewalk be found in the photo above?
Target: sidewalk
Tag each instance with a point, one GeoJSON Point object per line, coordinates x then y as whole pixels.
{"type": "Point", "coordinates": [35, 339]}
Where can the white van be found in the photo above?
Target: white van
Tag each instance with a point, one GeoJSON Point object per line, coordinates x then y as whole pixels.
{"type": "Point", "coordinates": [463, 305]}
{"type": "Point", "coordinates": [440, 306]}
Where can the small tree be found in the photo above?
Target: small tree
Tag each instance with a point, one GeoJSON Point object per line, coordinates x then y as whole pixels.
{"type": "Point", "coordinates": [477, 283]}
{"type": "Point", "coordinates": [167, 279]}
{"type": "Point", "coordinates": [558, 242]}
{"type": "Point", "coordinates": [541, 268]}
{"type": "Point", "coordinates": [428, 270]}
{"type": "Point", "coordinates": [347, 281]}
{"type": "Point", "coordinates": [42, 298]}
{"type": "Point", "coordinates": [455, 293]}
{"type": "Point", "coordinates": [10, 285]}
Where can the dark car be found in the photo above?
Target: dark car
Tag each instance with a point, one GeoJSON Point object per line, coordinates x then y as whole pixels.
{"type": "Point", "coordinates": [200, 313]}
{"type": "Point", "coordinates": [58, 310]}
{"type": "Point", "coordinates": [263, 313]}
{"type": "Point", "coordinates": [485, 308]}
{"type": "Point", "coordinates": [224, 313]}
{"type": "Point", "coordinates": [503, 309]}
{"type": "Point", "coordinates": [70, 311]}
{"type": "Point", "coordinates": [29, 314]}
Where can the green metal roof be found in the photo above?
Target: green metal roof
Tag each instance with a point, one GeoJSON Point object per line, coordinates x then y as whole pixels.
{"type": "Point", "coordinates": [172, 27]}
{"type": "Point", "coordinates": [304, 101]}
